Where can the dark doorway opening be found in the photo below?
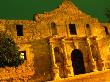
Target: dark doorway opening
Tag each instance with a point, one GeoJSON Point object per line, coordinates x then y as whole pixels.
{"type": "Point", "coordinates": [77, 62]}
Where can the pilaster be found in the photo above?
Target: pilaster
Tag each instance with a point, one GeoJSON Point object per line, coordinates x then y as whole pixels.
{"type": "Point", "coordinates": [55, 68]}
{"type": "Point", "coordinates": [97, 60]}
{"type": "Point", "coordinates": [67, 66]}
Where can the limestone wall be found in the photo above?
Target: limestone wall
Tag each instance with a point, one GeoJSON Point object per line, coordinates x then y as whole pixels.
{"type": "Point", "coordinates": [35, 44]}
{"type": "Point", "coordinates": [35, 41]}
{"type": "Point", "coordinates": [36, 34]}
{"type": "Point", "coordinates": [42, 60]}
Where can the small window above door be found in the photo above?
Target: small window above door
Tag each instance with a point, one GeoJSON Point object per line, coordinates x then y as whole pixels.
{"type": "Point", "coordinates": [72, 29]}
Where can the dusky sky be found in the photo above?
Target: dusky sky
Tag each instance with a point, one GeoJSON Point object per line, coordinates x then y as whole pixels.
{"type": "Point", "coordinates": [25, 9]}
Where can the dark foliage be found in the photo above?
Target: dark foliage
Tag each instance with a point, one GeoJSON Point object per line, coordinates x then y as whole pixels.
{"type": "Point", "coordinates": [9, 55]}
{"type": "Point", "coordinates": [107, 13]}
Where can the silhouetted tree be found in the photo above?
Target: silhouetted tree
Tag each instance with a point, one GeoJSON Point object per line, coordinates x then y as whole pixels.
{"type": "Point", "coordinates": [107, 13]}
{"type": "Point", "coordinates": [9, 55]}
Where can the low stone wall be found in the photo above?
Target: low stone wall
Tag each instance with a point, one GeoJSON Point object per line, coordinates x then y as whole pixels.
{"type": "Point", "coordinates": [102, 76]}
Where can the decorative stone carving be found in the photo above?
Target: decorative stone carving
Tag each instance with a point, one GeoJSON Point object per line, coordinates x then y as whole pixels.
{"type": "Point", "coordinates": [55, 69]}
{"type": "Point", "coordinates": [67, 66]}
{"type": "Point", "coordinates": [96, 54]}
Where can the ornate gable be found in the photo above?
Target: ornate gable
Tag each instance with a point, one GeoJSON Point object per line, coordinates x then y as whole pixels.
{"type": "Point", "coordinates": [66, 10]}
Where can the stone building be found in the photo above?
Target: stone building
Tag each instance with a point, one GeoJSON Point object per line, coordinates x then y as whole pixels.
{"type": "Point", "coordinates": [58, 44]}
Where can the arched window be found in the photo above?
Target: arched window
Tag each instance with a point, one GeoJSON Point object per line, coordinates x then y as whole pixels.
{"type": "Point", "coordinates": [88, 30]}
{"type": "Point", "coordinates": [54, 29]}
{"type": "Point", "coordinates": [106, 30]}
{"type": "Point", "coordinates": [87, 26]}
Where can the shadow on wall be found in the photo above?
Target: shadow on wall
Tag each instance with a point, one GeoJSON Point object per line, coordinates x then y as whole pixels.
{"type": "Point", "coordinates": [42, 61]}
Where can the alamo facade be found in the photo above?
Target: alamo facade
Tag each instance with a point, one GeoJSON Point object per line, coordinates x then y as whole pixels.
{"type": "Point", "coordinates": [58, 44]}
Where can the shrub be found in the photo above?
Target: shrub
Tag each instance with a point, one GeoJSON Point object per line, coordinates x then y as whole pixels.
{"type": "Point", "coordinates": [9, 55]}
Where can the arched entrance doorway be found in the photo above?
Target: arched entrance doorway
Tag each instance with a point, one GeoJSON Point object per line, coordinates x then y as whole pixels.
{"type": "Point", "coordinates": [77, 62]}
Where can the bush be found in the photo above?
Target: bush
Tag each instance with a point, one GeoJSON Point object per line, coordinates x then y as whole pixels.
{"type": "Point", "coordinates": [107, 14]}
{"type": "Point", "coordinates": [9, 55]}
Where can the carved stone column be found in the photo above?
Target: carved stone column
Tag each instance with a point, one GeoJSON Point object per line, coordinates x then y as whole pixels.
{"type": "Point", "coordinates": [96, 54]}
{"type": "Point", "coordinates": [99, 64]}
{"type": "Point", "coordinates": [67, 66]}
{"type": "Point", "coordinates": [93, 62]}
{"type": "Point", "coordinates": [95, 65]}
{"type": "Point", "coordinates": [55, 69]}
